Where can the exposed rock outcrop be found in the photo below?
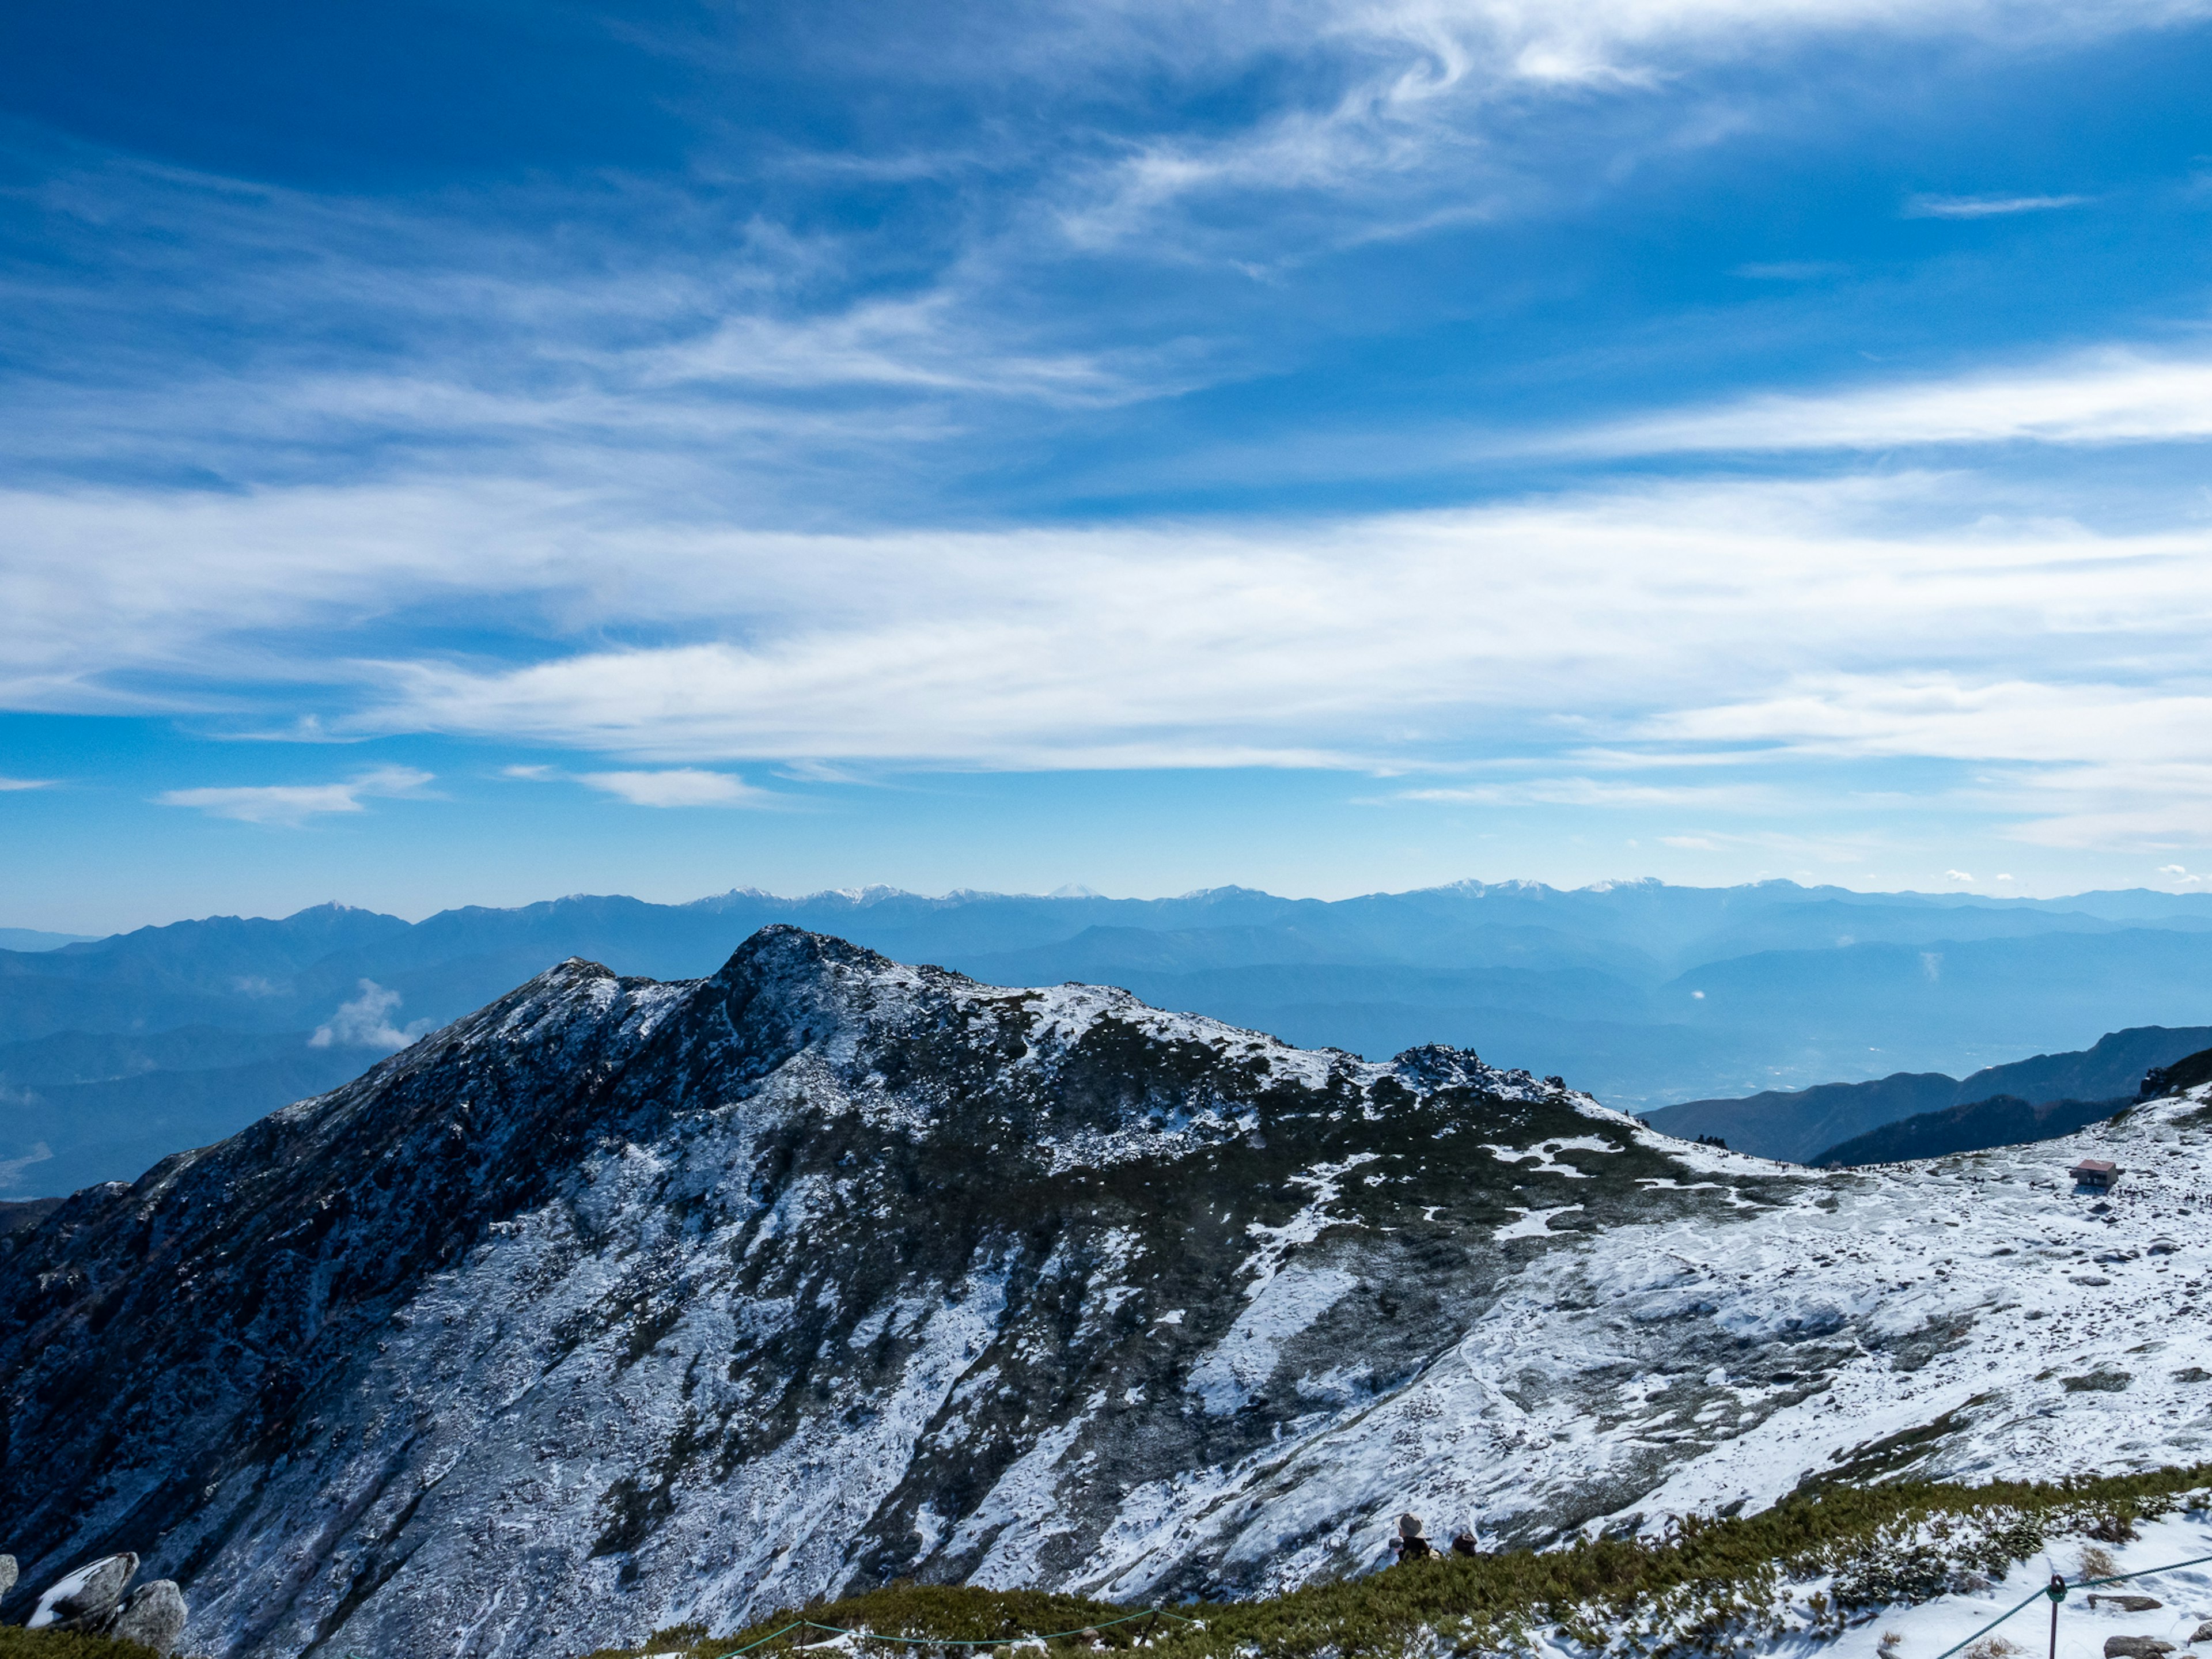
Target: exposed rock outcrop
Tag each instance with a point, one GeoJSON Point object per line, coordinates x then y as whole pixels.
{"type": "Point", "coordinates": [154, 1615]}
{"type": "Point", "coordinates": [97, 1599]}
{"type": "Point", "coordinates": [85, 1594]}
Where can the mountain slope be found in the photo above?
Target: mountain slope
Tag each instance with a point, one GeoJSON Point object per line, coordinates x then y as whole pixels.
{"type": "Point", "coordinates": [2112, 1068]}
{"type": "Point", "coordinates": [1809, 1126]}
{"type": "Point", "coordinates": [619, 1304]}
{"type": "Point", "coordinates": [2000, 1120]}
{"type": "Point", "coordinates": [1796, 1124]}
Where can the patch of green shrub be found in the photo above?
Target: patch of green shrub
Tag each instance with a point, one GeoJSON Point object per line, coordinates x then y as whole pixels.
{"type": "Point", "coordinates": [1707, 1586]}
{"type": "Point", "coordinates": [16, 1643]}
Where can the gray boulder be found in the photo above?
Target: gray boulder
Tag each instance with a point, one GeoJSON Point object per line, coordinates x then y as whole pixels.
{"type": "Point", "coordinates": [7, 1574]}
{"type": "Point", "coordinates": [2136, 1647]}
{"type": "Point", "coordinates": [154, 1617]}
{"type": "Point", "coordinates": [90, 1591]}
{"type": "Point", "coordinates": [2128, 1603]}
{"type": "Point", "coordinates": [2204, 1632]}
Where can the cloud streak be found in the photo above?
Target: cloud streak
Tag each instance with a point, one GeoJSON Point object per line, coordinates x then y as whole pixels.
{"type": "Point", "coordinates": [293, 804]}
{"type": "Point", "coordinates": [2112, 395]}
{"type": "Point", "coordinates": [1664, 646]}
{"type": "Point", "coordinates": [1644, 649]}
{"type": "Point", "coordinates": [1984, 207]}
{"type": "Point", "coordinates": [683, 785]}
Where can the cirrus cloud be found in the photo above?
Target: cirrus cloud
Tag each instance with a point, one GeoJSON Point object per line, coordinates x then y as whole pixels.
{"type": "Point", "coordinates": [2112, 395]}
{"type": "Point", "coordinates": [1984, 207]}
{"type": "Point", "coordinates": [292, 804]}
{"type": "Point", "coordinates": [683, 785]}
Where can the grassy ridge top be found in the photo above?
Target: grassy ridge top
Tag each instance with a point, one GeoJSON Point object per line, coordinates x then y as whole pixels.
{"type": "Point", "coordinates": [1704, 1587]}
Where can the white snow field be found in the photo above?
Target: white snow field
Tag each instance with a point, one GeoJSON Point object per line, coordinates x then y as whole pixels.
{"type": "Point", "coordinates": [1930, 1628]}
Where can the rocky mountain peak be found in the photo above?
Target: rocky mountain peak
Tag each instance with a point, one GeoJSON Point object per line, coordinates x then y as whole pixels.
{"type": "Point", "coordinates": [619, 1304]}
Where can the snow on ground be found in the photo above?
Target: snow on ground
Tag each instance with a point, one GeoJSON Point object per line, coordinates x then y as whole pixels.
{"type": "Point", "coordinates": [2071, 1332]}
{"type": "Point", "coordinates": [2006, 1323]}
{"type": "Point", "coordinates": [1929, 1629]}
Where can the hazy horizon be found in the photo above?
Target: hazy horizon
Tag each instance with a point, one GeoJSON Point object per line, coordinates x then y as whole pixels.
{"type": "Point", "coordinates": [859, 892]}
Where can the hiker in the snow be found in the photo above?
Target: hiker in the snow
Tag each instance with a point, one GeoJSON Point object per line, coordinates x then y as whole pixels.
{"type": "Point", "coordinates": [1464, 1544]}
{"type": "Point", "coordinates": [1411, 1546]}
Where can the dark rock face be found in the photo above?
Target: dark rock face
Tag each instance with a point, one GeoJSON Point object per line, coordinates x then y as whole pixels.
{"type": "Point", "coordinates": [620, 1304]}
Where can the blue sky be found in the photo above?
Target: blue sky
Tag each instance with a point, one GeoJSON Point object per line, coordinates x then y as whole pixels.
{"type": "Point", "coordinates": [469, 452]}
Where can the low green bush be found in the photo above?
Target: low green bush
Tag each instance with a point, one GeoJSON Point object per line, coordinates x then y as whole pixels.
{"type": "Point", "coordinates": [16, 1643]}
{"type": "Point", "coordinates": [1708, 1586]}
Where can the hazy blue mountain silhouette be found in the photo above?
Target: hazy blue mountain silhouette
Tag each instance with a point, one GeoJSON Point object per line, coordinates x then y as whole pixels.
{"type": "Point", "coordinates": [1845, 1120]}
{"type": "Point", "coordinates": [2002, 1120]}
{"type": "Point", "coordinates": [176, 1036]}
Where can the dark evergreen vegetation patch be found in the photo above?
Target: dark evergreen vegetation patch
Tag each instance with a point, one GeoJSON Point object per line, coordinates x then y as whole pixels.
{"type": "Point", "coordinates": [18, 1643]}
{"type": "Point", "coordinates": [1819, 1559]}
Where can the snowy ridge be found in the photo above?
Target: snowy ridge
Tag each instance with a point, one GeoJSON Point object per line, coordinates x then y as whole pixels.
{"type": "Point", "coordinates": [619, 1304]}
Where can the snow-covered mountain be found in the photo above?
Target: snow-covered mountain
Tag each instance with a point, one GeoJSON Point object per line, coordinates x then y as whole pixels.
{"type": "Point", "coordinates": [619, 1304]}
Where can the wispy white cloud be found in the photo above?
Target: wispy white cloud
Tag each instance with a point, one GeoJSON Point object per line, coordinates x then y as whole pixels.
{"type": "Point", "coordinates": [1984, 207]}
{"type": "Point", "coordinates": [1418, 104]}
{"type": "Point", "coordinates": [11, 1169]}
{"type": "Point", "coordinates": [1733, 796]}
{"type": "Point", "coordinates": [1713, 628]}
{"type": "Point", "coordinates": [292, 804]}
{"type": "Point", "coordinates": [786, 354]}
{"type": "Point", "coordinates": [1790, 271]}
{"type": "Point", "coordinates": [8, 784]}
{"type": "Point", "coordinates": [683, 785]}
{"type": "Point", "coordinates": [2108, 397]}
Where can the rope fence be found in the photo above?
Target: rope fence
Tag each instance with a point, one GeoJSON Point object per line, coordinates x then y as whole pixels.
{"type": "Point", "coordinates": [2055, 1592]}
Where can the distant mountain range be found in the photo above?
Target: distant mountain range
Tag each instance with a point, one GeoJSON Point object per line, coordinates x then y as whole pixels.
{"type": "Point", "coordinates": [1839, 1122]}
{"type": "Point", "coordinates": [116, 1051]}
{"type": "Point", "coordinates": [32, 938]}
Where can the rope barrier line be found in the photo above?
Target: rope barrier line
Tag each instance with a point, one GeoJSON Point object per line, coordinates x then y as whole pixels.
{"type": "Point", "coordinates": [955, 1641]}
{"type": "Point", "coordinates": [2086, 1583]}
{"type": "Point", "coordinates": [1987, 1628]}
{"type": "Point", "coordinates": [795, 1623]}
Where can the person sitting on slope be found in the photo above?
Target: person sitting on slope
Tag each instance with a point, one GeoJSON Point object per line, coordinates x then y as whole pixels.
{"type": "Point", "coordinates": [1411, 1546]}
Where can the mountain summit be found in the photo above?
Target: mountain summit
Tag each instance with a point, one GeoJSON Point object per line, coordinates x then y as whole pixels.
{"type": "Point", "coordinates": [618, 1304]}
